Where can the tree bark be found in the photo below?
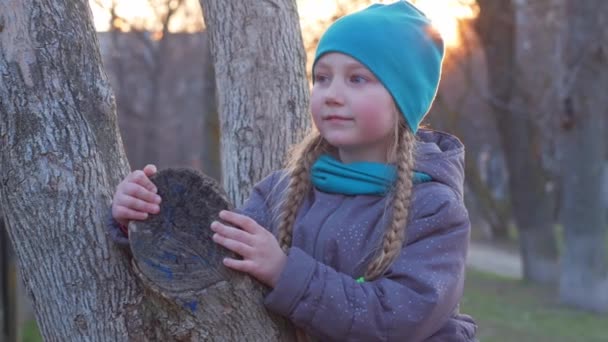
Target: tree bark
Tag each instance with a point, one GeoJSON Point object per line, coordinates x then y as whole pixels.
{"type": "Point", "coordinates": [515, 53]}
{"type": "Point", "coordinates": [582, 146]}
{"type": "Point", "coordinates": [258, 57]}
{"type": "Point", "coordinates": [61, 157]}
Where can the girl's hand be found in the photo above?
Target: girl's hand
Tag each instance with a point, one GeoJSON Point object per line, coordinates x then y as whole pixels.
{"type": "Point", "coordinates": [136, 197]}
{"type": "Point", "coordinates": [262, 257]}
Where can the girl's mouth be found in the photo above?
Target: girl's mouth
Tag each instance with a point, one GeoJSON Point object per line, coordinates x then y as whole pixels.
{"type": "Point", "coordinates": [336, 118]}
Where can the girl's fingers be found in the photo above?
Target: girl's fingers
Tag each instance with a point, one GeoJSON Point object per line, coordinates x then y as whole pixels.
{"type": "Point", "coordinates": [232, 233]}
{"type": "Point", "coordinates": [137, 204]}
{"type": "Point", "coordinates": [233, 245]}
{"type": "Point", "coordinates": [138, 191]}
{"type": "Point", "coordinates": [244, 222]}
{"type": "Point", "coordinates": [125, 214]}
{"type": "Point", "coordinates": [150, 170]}
{"type": "Point", "coordinates": [142, 179]}
{"type": "Point", "coordinates": [238, 265]}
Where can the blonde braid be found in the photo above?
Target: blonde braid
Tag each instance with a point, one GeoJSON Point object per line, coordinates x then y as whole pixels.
{"type": "Point", "coordinates": [394, 237]}
{"type": "Point", "coordinates": [299, 167]}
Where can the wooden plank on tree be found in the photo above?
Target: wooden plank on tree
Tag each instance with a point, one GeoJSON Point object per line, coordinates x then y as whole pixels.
{"type": "Point", "coordinates": [181, 267]}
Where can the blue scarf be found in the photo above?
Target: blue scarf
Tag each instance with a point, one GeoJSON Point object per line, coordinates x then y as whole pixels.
{"type": "Point", "coordinates": [359, 178]}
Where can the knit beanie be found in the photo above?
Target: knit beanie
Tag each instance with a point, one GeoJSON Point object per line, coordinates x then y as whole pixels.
{"type": "Point", "coordinates": [397, 43]}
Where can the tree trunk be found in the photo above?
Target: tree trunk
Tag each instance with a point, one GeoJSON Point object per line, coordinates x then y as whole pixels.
{"type": "Point", "coordinates": [61, 158]}
{"type": "Point", "coordinates": [505, 29]}
{"type": "Point", "coordinates": [582, 144]}
{"type": "Point", "coordinates": [258, 57]}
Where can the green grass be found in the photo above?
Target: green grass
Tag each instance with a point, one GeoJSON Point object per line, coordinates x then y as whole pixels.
{"type": "Point", "coordinates": [506, 310]}
{"type": "Point", "coordinates": [509, 310]}
{"type": "Point", "coordinates": [31, 333]}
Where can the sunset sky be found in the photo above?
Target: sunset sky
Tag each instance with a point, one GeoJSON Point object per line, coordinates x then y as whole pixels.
{"type": "Point", "coordinates": [140, 13]}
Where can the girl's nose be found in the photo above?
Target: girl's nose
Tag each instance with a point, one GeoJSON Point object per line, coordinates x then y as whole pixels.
{"type": "Point", "coordinates": [334, 94]}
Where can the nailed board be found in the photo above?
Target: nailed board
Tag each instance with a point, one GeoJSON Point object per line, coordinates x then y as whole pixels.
{"type": "Point", "coordinates": [173, 248]}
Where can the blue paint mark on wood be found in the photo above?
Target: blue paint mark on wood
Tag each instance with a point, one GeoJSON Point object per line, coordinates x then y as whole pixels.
{"type": "Point", "coordinates": [177, 188]}
{"type": "Point", "coordinates": [191, 305]}
{"type": "Point", "coordinates": [169, 256]}
{"type": "Point", "coordinates": [199, 259]}
{"type": "Point", "coordinates": [166, 235]}
{"type": "Point", "coordinates": [162, 268]}
{"type": "Point", "coordinates": [168, 216]}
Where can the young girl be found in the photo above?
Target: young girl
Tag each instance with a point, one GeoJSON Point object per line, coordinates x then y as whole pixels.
{"type": "Point", "coordinates": [371, 230]}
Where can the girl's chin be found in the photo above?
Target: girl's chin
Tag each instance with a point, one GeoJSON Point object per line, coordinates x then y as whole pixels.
{"type": "Point", "coordinates": [340, 142]}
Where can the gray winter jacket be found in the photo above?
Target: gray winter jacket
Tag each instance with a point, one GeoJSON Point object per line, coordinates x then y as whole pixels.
{"type": "Point", "coordinates": [335, 237]}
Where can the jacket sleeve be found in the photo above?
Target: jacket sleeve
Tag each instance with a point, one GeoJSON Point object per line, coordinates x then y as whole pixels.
{"type": "Point", "coordinates": [414, 299]}
{"type": "Point", "coordinates": [261, 203]}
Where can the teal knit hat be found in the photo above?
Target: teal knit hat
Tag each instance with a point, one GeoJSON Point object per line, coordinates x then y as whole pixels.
{"type": "Point", "coordinates": [399, 46]}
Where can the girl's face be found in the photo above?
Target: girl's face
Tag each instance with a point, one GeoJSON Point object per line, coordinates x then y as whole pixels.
{"type": "Point", "coordinates": [352, 110]}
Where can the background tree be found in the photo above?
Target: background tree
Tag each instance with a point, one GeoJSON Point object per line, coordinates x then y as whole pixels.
{"type": "Point", "coordinates": [161, 72]}
{"type": "Point", "coordinates": [581, 144]}
{"type": "Point", "coordinates": [459, 109]}
{"type": "Point", "coordinates": [517, 42]}
{"type": "Point", "coordinates": [546, 63]}
{"type": "Point", "coordinates": [263, 102]}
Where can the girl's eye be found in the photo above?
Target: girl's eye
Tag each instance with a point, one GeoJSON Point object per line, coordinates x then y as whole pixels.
{"type": "Point", "coordinates": [320, 78]}
{"type": "Point", "coordinates": [358, 79]}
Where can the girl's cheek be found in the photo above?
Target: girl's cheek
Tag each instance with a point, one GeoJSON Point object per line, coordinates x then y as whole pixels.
{"type": "Point", "coordinates": [315, 109]}
{"type": "Point", "coordinates": [318, 124]}
{"type": "Point", "coordinates": [375, 119]}
{"type": "Point", "coordinates": [369, 103]}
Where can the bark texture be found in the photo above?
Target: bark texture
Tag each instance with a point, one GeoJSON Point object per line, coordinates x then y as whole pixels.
{"type": "Point", "coordinates": [259, 59]}
{"type": "Point", "coordinates": [61, 156]}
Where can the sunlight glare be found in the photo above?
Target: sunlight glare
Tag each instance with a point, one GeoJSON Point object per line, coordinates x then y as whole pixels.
{"type": "Point", "coordinates": [445, 14]}
{"type": "Point", "coordinates": [141, 15]}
